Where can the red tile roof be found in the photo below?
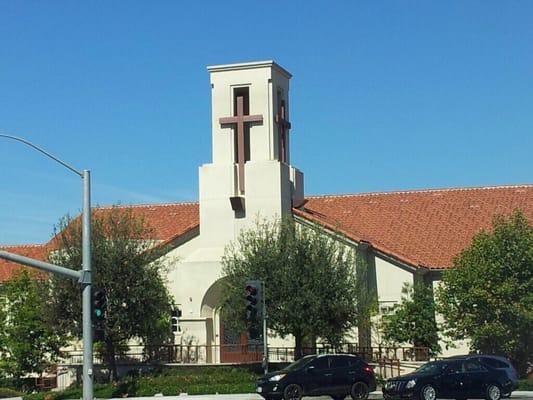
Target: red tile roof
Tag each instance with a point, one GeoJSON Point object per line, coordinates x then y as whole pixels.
{"type": "Point", "coordinates": [426, 228]}
{"type": "Point", "coordinates": [167, 221]}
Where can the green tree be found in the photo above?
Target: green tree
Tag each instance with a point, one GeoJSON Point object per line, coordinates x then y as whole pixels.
{"type": "Point", "coordinates": [488, 296]}
{"type": "Point", "coordinates": [128, 266]}
{"type": "Point", "coordinates": [413, 320]}
{"type": "Point", "coordinates": [309, 277]}
{"type": "Point", "coordinates": [28, 342]}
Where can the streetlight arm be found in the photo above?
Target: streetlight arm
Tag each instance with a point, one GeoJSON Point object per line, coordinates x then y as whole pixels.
{"type": "Point", "coordinates": [43, 152]}
{"type": "Point", "coordinates": [84, 276]}
{"type": "Point", "coordinates": [44, 266]}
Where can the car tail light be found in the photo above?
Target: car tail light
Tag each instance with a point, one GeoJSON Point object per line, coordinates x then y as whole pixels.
{"type": "Point", "coordinates": [368, 369]}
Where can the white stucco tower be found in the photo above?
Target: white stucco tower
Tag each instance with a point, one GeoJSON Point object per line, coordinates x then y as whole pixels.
{"type": "Point", "coordinates": [250, 175]}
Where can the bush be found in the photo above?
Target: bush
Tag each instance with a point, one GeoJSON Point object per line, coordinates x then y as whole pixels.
{"type": "Point", "coordinates": [169, 382]}
{"type": "Point", "coordinates": [5, 392]}
{"type": "Point", "coordinates": [525, 384]}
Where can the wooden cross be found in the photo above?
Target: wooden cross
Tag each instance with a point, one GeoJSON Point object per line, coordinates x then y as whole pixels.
{"type": "Point", "coordinates": [239, 120]}
{"type": "Point", "coordinates": [283, 127]}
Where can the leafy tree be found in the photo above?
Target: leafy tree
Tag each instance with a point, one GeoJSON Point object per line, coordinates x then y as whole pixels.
{"type": "Point", "coordinates": [28, 342]}
{"type": "Point", "coordinates": [488, 296]}
{"type": "Point", "coordinates": [128, 267]}
{"type": "Point", "coordinates": [309, 277]}
{"type": "Point", "coordinates": [413, 320]}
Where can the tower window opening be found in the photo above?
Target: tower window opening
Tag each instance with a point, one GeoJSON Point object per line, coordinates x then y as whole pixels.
{"type": "Point", "coordinates": [243, 92]}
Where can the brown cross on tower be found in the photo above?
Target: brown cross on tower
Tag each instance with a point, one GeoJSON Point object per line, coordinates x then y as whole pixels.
{"type": "Point", "coordinates": [239, 120]}
{"type": "Point", "coordinates": [283, 127]}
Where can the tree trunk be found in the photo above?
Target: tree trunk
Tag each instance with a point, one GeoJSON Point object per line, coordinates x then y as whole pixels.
{"type": "Point", "coordinates": [308, 344]}
{"type": "Point", "coordinates": [298, 341]}
{"type": "Point", "coordinates": [111, 361]}
{"type": "Point", "coordinates": [364, 331]}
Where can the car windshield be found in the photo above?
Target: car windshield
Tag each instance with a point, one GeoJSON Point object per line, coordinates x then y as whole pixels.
{"type": "Point", "coordinates": [302, 362]}
{"type": "Point", "coordinates": [431, 368]}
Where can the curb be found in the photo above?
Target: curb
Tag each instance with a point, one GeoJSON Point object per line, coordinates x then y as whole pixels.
{"type": "Point", "coordinates": [522, 393]}
{"type": "Point", "coordinates": [254, 396]}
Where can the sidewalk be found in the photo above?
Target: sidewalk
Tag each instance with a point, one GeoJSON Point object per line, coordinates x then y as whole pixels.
{"type": "Point", "coordinates": [253, 396]}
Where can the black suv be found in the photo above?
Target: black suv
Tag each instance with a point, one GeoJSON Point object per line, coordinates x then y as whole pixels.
{"type": "Point", "coordinates": [497, 362]}
{"type": "Point", "coordinates": [336, 375]}
{"type": "Point", "coordinates": [454, 378]}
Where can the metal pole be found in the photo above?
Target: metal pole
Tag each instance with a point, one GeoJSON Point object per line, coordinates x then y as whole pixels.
{"type": "Point", "coordinates": [85, 274]}
{"type": "Point", "coordinates": [86, 294]}
{"type": "Point", "coordinates": [265, 336]}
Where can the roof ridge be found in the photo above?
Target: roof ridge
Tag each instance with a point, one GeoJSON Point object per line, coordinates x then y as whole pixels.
{"type": "Point", "coordinates": [30, 245]}
{"type": "Point", "coordinates": [146, 205]}
{"type": "Point", "coordinates": [414, 191]}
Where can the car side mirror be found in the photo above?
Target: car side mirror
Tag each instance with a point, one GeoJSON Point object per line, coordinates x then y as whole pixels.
{"type": "Point", "coordinates": [310, 369]}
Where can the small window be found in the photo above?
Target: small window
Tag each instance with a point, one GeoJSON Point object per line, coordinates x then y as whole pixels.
{"type": "Point", "coordinates": [492, 362]}
{"type": "Point", "coordinates": [472, 366]}
{"type": "Point", "coordinates": [243, 92]}
{"type": "Point", "coordinates": [354, 361]}
{"type": "Point", "coordinates": [321, 363]}
{"type": "Point", "coordinates": [453, 368]}
{"type": "Point", "coordinates": [340, 362]}
{"type": "Point", "coordinates": [387, 307]}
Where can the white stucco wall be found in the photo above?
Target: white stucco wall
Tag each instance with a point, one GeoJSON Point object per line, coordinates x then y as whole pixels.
{"type": "Point", "coordinates": [459, 346]}
{"type": "Point", "coordinates": [390, 280]}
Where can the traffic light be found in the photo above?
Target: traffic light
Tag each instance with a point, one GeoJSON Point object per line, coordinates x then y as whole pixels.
{"type": "Point", "coordinates": [98, 314]}
{"type": "Point", "coordinates": [99, 305]}
{"type": "Point", "coordinates": [254, 308]}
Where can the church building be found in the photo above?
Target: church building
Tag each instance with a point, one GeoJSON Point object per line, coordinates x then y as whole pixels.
{"type": "Point", "coordinates": [405, 235]}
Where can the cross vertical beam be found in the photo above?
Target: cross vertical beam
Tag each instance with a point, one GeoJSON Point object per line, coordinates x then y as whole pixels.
{"type": "Point", "coordinates": [283, 127]}
{"type": "Point", "coordinates": [239, 120]}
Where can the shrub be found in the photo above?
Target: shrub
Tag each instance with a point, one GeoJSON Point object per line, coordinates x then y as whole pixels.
{"type": "Point", "coordinates": [5, 392]}
{"type": "Point", "coordinates": [525, 384]}
{"type": "Point", "coordinates": [169, 382]}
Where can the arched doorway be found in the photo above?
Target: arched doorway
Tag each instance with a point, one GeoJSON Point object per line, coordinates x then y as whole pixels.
{"type": "Point", "coordinates": [224, 344]}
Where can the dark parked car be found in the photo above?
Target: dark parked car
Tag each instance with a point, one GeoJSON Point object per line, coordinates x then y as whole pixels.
{"type": "Point", "coordinates": [497, 362]}
{"type": "Point", "coordinates": [336, 375]}
{"type": "Point", "coordinates": [454, 378]}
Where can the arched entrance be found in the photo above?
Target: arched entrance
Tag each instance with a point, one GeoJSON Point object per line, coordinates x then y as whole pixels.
{"type": "Point", "coordinates": [224, 344]}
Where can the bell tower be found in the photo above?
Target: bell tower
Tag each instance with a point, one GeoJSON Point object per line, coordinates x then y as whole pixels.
{"type": "Point", "coordinates": [250, 175]}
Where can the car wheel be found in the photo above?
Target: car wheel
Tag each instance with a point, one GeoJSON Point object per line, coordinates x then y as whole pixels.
{"type": "Point", "coordinates": [428, 392]}
{"type": "Point", "coordinates": [292, 392]}
{"type": "Point", "coordinates": [359, 391]}
{"type": "Point", "coordinates": [493, 392]}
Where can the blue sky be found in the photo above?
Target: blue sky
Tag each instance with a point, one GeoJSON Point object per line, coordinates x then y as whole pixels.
{"type": "Point", "coordinates": [385, 96]}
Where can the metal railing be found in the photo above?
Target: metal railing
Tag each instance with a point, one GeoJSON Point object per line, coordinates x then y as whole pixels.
{"type": "Point", "coordinates": [250, 353]}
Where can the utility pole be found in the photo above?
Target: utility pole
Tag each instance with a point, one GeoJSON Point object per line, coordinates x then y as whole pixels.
{"type": "Point", "coordinates": [83, 276]}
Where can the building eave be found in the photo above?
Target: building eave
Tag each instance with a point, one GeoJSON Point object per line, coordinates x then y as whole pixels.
{"type": "Point", "coordinates": [249, 65]}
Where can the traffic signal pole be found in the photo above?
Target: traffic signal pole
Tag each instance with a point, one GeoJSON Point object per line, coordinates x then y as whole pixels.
{"type": "Point", "coordinates": [265, 335]}
{"type": "Point", "coordinates": [83, 276]}
{"type": "Point", "coordinates": [86, 288]}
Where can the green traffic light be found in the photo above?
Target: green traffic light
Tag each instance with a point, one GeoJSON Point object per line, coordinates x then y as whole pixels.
{"type": "Point", "coordinates": [98, 313]}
